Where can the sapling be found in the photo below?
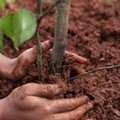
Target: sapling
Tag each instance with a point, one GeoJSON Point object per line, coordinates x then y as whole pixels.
{"type": "Point", "coordinates": [26, 27]}
{"type": "Point", "coordinates": [61, 32]}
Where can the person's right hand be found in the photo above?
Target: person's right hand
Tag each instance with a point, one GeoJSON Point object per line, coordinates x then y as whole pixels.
{"type": "Point", "coordinates": [35, 102]}
{"type": "Point", "coordinates": [14, 69]}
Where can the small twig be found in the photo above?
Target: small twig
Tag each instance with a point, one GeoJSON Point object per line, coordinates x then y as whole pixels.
{"type": "Point", "coordinates": [61, 33]}
{"type": "Point", "coordinates": [38, 42]}
{"type": "Point", "coordinates": [95, 70]}
{"type": "Point", "coordinates": [39, 7]}
{"type": "Point", "coordinates": [40, 17]}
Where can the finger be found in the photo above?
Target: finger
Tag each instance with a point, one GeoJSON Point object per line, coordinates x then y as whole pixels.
{"type": "Point", "coordinates": [74, 114]}
{"type": "Point", "coordinates": [40, 90]}
{"type": "Point", "coordinates": [46, 45]}
{"type": "Point", "coordinates": [25, 59]}
{"type": "Point", "coordinates": [77, 69]}
{"type": "Point", "coordinates": [63, 105]}
{"type": "Point", "coordinates": [77, 58]}
{"type": "Point", "coordinates": [29, 56]}
{"type": "Point", "coordinates": [58, 80]}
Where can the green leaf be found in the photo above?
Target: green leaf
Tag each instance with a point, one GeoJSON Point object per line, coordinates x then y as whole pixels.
{"type": "Point", "coordinates": [2, 4]}
{"type": "Point", "coordinates": [1, 37]}
{"type": "Point", "coordinates": [20, 26]}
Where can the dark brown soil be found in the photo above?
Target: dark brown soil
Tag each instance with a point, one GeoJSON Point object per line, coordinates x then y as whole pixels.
{"type": "Point", "coordinates": [94, 32]}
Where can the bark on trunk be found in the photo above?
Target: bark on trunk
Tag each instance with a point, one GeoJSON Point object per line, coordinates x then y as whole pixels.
{"type": "Point", "coordinates": [61, 32]}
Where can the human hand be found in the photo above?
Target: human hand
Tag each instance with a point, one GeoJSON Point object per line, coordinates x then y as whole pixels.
{"type": "Point", "coordinates": [16, 68]}
{"type": "Point", "coordinates": [34, 102]}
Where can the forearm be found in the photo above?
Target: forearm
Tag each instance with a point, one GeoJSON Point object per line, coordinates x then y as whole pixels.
{"type": "Point", "coordinates": [4, 61]}
{"type": "Point", "coordinates": [5, 65]}
{"type": "Point", "coordinates": [1, 109]}
{"type": "Point", "coordinates": [5, 111]}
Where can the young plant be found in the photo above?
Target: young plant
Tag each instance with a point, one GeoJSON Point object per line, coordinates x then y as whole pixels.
{"type": "Point", "coordinates": [22, 25]}
{"type": "Point", "coordinates": [61, 33]}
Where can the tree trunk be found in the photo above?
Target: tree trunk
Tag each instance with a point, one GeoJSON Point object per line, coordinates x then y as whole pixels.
{"type": "Point", "coordinates": [61, 32]}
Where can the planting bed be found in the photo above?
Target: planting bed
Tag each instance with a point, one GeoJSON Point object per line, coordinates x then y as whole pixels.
{"type": "Point", "coordinates": [94, 32]}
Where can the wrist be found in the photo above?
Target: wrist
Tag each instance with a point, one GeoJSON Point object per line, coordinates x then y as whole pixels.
{"type": "Point", "coordinates": [1, 108]}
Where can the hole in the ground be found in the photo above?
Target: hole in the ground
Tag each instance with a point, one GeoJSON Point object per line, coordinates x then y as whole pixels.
{"type": "Point", "coordinates": [85, 92]}
{"type": "Point", "coordinates": [73, 73]}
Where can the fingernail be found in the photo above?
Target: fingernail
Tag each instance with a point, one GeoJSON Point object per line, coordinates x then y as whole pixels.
{"type": "Point", "coordinates": [84, 97]}
{"type": "Point", "coordinates": [90, 105]}
{"type": "Point", "coordinates": [87, 98]}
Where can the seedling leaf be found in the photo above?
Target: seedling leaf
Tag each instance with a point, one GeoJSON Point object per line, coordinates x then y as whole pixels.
{"type": "Point", "coordinates": [20, 26]}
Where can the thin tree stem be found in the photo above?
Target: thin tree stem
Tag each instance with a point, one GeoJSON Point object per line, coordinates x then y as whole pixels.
{"type": "Point", "coordinates": [41, 16]}
{"type": "Point", "coordinates": [61, 32]}
{"type": "Point", "coordinates": [38, 42]}
{"type": "Point", "coordinates": [39, 7]}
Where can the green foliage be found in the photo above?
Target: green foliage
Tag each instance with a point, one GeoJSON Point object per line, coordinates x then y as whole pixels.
{"type": "Point", "coordinates": [2, 4]}
{"type": "Point", "coordinates": [20, 26]}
